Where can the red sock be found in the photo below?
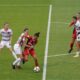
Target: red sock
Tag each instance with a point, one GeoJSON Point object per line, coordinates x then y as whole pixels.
{"type": "Point", "coordinates": [71, 45]}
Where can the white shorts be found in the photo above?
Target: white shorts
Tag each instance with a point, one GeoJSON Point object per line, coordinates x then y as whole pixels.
{"type": "Point", "coordinates": [5, 43]}
{"type": "Point", "coordinates": [78, 37]}
{"type": "Point", "coordinates": [17, 49]}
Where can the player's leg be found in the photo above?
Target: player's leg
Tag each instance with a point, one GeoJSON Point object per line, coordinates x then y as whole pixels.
{"type": "Point", "coordinates": [25, 55]}
{"type": "Point", "coordinates": [18, 52]}
{"type": "Point", "coordinates": [20, 60]}
{"type": "Point", "coordinates": [33, 54]}
{"type": "Point", "coordinates": [78, 49]}
{"type": "Point", "coordinates": [8, 45]}
{"type": "Point", "coordinates": [78, 46]}
{"type": "Point", "coordinates": [72, 43]}
{"type": "Point", "coordinates": [13, 53]}
{"type": "Point", "coordinates": [2, 44]}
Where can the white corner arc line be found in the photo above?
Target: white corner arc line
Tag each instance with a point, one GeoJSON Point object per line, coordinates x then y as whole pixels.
{"type": "Point", "coordinates": [47, 44]}
{"type": "Point", "coordinates": [60, 22]}
{"type": "Point", "coordinates": [57, 55]}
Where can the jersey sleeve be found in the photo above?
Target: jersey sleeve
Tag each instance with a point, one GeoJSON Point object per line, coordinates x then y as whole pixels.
{"type": "Point", "coordinates": [11, 32]}
{"type": "Point", "coordinates": [0, 31]}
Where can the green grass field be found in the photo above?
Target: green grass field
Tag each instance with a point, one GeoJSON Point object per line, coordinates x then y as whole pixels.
{"type": "Point", "coordinates": [34, 13]}
{"type": "Point", "coordinates": [20, 13]}
{"type": "Point", "coordinates": [62, 67]}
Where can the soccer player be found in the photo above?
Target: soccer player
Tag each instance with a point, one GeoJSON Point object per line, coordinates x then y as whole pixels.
{"type": "Point", "coordinates": [6, 34]}
{"type": "Point", "coordinates": [29, 48]}
{"type": "Point", "coordinates": [17, 48]}
{"type": "Point", "coordinates": [74, 33]}
{"type": "Point", "coordinates": [77, 28]}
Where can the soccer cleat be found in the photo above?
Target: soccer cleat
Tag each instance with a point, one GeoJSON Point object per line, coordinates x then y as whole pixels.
{"type": "Point", "coordinates": [76, 56]}
{"type": "Point", "coordinates": [13, 66]}
{"type": "Point", "coordinates": [23, 61]}
{"type": "Point", "coordinates": [70, 50]}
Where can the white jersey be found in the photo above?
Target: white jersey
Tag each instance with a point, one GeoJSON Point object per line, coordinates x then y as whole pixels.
{"type": "Point", "coordinates": [21, 39]}
{"type": "Point", "coordinates": [77, 27]}
{"type": "Point", "coordinates": [6, 34]}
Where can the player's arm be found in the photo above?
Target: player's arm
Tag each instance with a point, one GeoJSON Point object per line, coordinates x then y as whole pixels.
{"type": "Point", "coordinates": [0, 34]}
{"type": "Point", "coordinates": [71, 24]}
{"type": "Point", "coordinates": [11, 37]}
{"type": "Point", "coordinates": [29, 45]}
{"type": "Point", "coordinates": [0, 31]}
{"type": "Point", "coordinates": [32, 46]}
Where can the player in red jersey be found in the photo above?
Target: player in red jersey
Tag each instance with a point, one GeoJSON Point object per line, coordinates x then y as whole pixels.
{"type": "Point", "coordinates": [29, 48]}
{"type": "Point", "coordinates": [74, 33]}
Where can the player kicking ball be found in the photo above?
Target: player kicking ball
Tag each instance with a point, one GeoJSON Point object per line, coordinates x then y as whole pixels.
{"type": "Point", "coordinates": [77, 27]}
{"type": "Point", "coordinates": [6, 34]}
{"type": "Point", "coordinates": [17, 48]}
{"type": "Point", "coordinates": [29, 50]}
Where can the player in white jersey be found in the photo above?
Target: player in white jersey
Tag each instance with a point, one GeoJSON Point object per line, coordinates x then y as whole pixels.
{"type": "Point", "coordinates": [17, 48]}
{"type": "Point", "coordinates": [6, 34]}
{"type": "Point", "coordinates": [77, 27]}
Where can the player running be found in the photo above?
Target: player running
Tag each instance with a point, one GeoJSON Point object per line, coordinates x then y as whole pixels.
{"type": "Point", "coordinates": [6, 34]}
{"type": "Point", "coordinates": [17, 48]}
{"type": "Point", "coordinates": [74, 33]}
{"type": "Point", "coordinates": [77, 28]}
{"type": "Point", "coordinates": [29, 48]}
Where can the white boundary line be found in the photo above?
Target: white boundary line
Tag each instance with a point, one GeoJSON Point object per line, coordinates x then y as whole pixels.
{"type": "Point", "coordinates": [47, 44]}
{"type": "Point", "coordinates": [57, 55]}
{"type": "Point", "coordinates": [17, 5]}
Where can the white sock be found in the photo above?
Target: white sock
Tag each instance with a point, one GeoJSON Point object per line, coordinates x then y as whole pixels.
{"type": "Point", "coordinates": [14, 55]}
{"type": "Point", "coordinates": [77, 53]}
{"type": "Point", "coordinates": [16, 61]}
{"type": "Point", "coordinates": [18, 64]}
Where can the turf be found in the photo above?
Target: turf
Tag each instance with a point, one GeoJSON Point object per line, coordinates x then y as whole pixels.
{"type": "Point", "coordinates": [62, 67]}
{"type": "Point", "coordinates": [21, 13]}
{"type": "Point", "coordinates": [34, 14]}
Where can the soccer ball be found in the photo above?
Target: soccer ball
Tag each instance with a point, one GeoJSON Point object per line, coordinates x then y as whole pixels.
{"type": "Point", "coordinates": [36, 69]}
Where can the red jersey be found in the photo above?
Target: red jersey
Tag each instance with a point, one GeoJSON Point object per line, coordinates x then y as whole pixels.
{"type": "Point", "coordinates": [72, 24]}
{"type": "Point", "coordinates": [31, 41]}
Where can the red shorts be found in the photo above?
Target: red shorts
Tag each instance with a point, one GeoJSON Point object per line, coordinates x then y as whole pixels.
{"type": "Point", "coordinates": [74, 35]}
{"type": "Point", "coordinates": [27, 52]}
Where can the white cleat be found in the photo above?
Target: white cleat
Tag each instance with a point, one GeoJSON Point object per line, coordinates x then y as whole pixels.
{"type": "Point", "coordinates": [76, 56]}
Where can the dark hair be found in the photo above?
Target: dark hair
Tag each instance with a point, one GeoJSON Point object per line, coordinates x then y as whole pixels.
{"type": "Point", "coordinates": [78, 12]}
{"type": "Point", "coordinates": [37, 34]}
{"type": "Point", "coordinates": [74, 17]}
{"type": "Point", "coordinates": [25, 29]}
{"type": "Point", "coordinates": [5, 23]}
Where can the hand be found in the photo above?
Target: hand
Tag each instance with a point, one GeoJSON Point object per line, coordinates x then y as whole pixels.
{"type": "Point", "coordinates": [31, 47]}
{"type": "Point", "coordinates": [10, 42]}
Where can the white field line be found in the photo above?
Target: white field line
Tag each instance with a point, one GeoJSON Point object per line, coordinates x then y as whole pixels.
{"type": "Point", "coordinates": [47, 44]}
{"type": "Point", "coordinates": [60, 22]}
{"type": "Point", "coordinates": [27, 5]}
{"type": "Point", "coordinates": [57, 55]}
